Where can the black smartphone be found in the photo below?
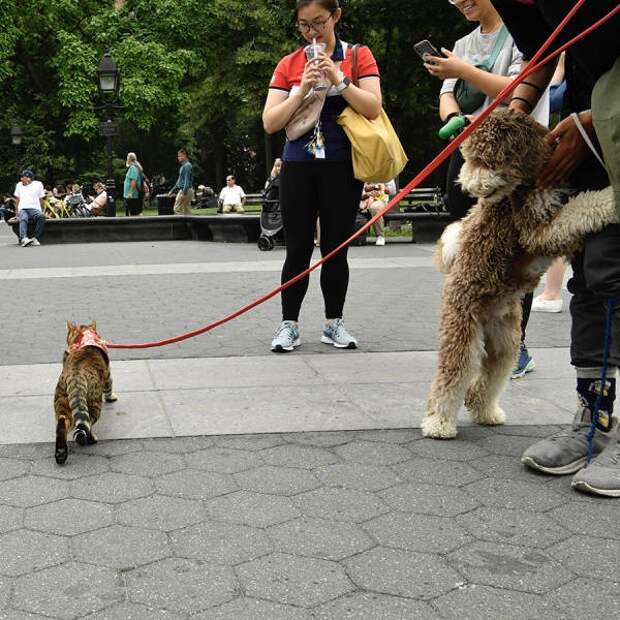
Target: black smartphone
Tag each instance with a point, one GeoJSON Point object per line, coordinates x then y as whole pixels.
{"type": "Point", "coordinates": [424, 48]}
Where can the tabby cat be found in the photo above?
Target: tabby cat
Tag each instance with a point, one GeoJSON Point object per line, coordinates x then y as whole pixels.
{"type": "Point", "coordinates": [84, 381]}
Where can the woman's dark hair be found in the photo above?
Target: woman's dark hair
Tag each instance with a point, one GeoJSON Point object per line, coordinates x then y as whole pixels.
{"type": "Point", "coordinates": [331, 5]}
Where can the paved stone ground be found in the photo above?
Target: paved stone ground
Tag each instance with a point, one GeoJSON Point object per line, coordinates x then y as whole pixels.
{"type": "Point", "coordinates": [363, 525]}
{"type": "Point", "coordinates": [387, 309]}
{"type": "Point", "coordinates": [346, 525]}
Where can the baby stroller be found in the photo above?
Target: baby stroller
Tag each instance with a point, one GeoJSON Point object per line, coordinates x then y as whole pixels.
{"type": "Point", "coordinates": [271, 226]}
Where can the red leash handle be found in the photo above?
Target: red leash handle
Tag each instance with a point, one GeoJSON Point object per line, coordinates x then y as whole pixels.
{"type": "Point", "coordinates": [531, 66]}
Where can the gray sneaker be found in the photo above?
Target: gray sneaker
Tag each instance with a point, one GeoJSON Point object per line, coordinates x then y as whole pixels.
{"type": "Point", "coordinates": [286, 337]}
{"type": "Point", "coordinates": [336, 334]}
{"type": "Point", "coordinates": [566, 452]}
{"type": "Point", "coordinates": [602, 475]}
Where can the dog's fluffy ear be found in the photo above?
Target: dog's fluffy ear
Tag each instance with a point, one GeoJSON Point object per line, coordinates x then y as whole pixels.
{"type": "Point", "coordinates": [447, 247]}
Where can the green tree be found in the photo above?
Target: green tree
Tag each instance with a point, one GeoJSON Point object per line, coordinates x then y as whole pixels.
{"type": "Point", "coordinates": [193, 72]}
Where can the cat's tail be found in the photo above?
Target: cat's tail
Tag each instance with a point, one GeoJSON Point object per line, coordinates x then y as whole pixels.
{"type": "Point", "coordinates": [62, 451]}
{"type": "Point", "coordinates": [76, 391]}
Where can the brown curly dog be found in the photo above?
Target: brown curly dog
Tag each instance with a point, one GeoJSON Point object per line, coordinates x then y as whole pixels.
{"type": "Point", "coordinates": [495, 255]}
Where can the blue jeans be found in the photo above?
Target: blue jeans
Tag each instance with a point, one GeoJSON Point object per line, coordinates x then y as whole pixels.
{"type": "Point", "coordinates": [25, 215]}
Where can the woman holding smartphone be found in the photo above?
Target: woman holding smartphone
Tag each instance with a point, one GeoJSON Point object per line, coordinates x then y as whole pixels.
{"type": "Point", "coordinates": [469, 62]}
{"type": "Point", "coordinates": [317, 172]}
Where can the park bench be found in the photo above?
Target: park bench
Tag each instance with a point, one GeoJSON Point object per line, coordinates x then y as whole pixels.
{"type": "Point", "coordinates": [421, 207]}
{"type": "Point", "coordinates": [424, 207]}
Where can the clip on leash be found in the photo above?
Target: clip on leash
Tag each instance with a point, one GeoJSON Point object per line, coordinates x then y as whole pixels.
{"type": "Point", "coordinates": [611, 302]}
{"type": "Point", "coordinates": [534, 64]}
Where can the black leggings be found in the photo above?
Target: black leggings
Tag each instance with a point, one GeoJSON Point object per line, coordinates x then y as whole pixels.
{"type": "Point", "coordinates": [307, 190]}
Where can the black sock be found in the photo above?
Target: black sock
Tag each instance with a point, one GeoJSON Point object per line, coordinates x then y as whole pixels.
{"type": "Point", "coordinates": [588, 391]}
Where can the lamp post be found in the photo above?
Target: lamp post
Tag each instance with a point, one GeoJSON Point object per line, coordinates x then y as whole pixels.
{"type": "Point", "coordinates": [108, 83]}
{"type": "Point", "coordinates": [16, 135]}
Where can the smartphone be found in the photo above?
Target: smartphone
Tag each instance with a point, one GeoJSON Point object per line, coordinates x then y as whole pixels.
{"type": "Point", "coordinates": [425, 47]}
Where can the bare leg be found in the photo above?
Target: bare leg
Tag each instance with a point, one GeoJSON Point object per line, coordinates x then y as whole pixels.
{"type": "Point", "coordinates": [554, 279]}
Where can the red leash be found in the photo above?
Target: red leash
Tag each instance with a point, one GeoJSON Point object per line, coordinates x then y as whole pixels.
{"type": "Point", "coordinates": [531, 66]}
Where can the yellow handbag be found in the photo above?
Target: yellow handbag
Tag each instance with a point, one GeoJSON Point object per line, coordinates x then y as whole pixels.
{"type": "Point", "coordinates": [378, 156]}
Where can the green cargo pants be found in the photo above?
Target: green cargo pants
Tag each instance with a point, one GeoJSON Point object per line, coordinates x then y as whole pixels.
{"type": "Point", "coordinates": [606, 119]}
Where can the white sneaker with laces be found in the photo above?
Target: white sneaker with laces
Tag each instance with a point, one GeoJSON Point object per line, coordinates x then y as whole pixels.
{"type": "Point", "coordinates": [35, 242]}
{"type": "Point", "coordinates": [286, 337]}
{"type": "Point", "coordinates": [380, 241]}
{"type": "Point", "coordinates": [336, 334]}
{"type": "Point", "coordinates": [547, 305]}
{"type": "Point", "coordinates": [26, 241]}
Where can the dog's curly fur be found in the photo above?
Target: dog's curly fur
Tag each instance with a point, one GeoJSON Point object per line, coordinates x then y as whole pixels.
{"type": "Point", "coordinates": [492, 257]}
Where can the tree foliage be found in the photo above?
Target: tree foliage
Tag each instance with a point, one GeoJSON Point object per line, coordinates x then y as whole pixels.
{"type": "Point", "coordinates": [193, 72]}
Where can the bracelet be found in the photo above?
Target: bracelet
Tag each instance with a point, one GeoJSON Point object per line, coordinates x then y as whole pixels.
{"type": "Point", "coordinates": [451, 115]}
{"type": "Point", "coordinates": [538, 88]}
{"type": "Point", "coordinates": [529, 105]}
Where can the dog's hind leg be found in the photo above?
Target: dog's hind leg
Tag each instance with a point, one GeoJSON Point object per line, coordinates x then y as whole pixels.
{"type": "Point", "coordinates": [501, 338]}
{"type": "Point", "coordinates": [459, 360]}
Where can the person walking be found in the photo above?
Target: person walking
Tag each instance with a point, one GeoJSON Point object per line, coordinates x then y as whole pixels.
{"type": "Point", "coordinates": [133, 185]}
{"type": "Point", "coordinates": [183, 186]}
{"type": "Point", "coordinates": [317, 172]}
{"type": "Point", "coordinates": [29, 196]}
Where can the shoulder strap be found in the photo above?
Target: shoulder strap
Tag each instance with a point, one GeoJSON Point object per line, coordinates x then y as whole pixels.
{"type": "Point", "coordinates": [499, 44]}
{"type": "Point", "coordinates": [354, 67]}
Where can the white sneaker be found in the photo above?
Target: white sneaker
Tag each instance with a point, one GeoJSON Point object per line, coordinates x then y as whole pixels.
{"type": "Point", "coordinates": [336, 334]}
{"type": "Point", "coordinates": [546, 305]}
{"type": "Point", "coordinates": [286, 337]}
{"type": "Point", "coordinates": [380, 241]}
{"type": "Point", "coordinates": [35, 242]}
{"type": "Point", "coordinates": [26, 241]}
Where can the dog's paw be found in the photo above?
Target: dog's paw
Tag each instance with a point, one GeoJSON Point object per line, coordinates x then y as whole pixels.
{"type": "Point", "coordinates": [489, 417]}
{"type": "Point", "coordinates": [111, 398]}
{"type": "Point", "coordinates": [436, 427]}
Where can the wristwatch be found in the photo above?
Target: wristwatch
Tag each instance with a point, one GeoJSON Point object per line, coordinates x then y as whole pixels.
{"type": "Point", "coordinates": [345, 83]}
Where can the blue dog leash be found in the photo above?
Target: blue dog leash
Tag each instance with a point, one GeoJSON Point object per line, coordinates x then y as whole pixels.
{"type": "Point", "coordinates": [597, 403]}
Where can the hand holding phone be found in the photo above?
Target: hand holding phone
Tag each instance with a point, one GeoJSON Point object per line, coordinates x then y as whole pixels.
{"type": "Point", "coordinates": [425, 48]}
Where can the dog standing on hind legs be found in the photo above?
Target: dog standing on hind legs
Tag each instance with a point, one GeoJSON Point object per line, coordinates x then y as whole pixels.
{"type": "Point", "coordinates": [84, 382]}
{"type": "Point", "coordinates": [495, 255]}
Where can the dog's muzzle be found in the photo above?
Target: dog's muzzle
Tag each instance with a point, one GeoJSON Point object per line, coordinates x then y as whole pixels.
{"type": "Point", "coordinates": [483, 183]}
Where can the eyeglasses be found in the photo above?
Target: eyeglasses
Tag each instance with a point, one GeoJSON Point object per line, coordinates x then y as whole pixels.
{"type": "Point", "coordinates": [318, 25]}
